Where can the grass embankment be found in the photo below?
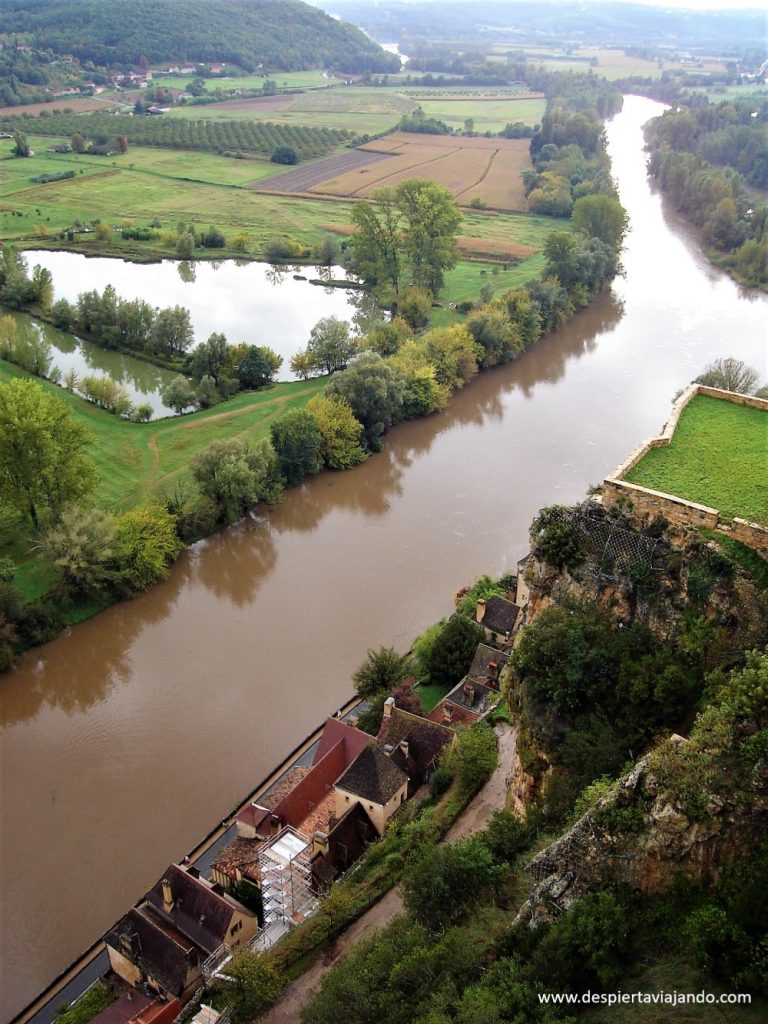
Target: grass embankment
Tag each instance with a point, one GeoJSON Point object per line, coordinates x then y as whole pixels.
{"type": "Point", "coordinates": [717, 457]}
{"type": "Point", "coordinates": [140, 461]}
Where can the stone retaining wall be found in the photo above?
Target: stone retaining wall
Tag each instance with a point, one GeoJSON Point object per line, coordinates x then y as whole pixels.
{"type": "Point", "coordinates": [647, 503]}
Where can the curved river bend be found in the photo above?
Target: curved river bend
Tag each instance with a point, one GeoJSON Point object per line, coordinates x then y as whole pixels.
{"type": "Point", "coordinates": [126, 740]}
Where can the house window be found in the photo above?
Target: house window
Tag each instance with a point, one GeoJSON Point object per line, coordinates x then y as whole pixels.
{"type": "Point", "coordinates": [346, 798]}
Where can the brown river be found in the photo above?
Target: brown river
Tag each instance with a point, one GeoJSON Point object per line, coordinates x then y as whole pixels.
{"type": "Point", "coordinates": [126, 740]}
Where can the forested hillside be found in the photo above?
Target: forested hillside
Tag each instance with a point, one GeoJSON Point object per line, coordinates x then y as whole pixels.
{"type": "Point", "coordinates": [280, 34]}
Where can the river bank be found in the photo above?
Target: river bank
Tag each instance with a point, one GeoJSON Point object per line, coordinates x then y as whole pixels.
{"type": "Point", "coordinates": [127, 736]}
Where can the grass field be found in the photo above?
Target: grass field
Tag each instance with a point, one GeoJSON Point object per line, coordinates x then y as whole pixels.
{"type": "Point", "coordinates": [282, 79]}
{"type": "Point", "coordinates": [717, 457]}
{"type": "Point", "coordinates": [369, 109]}
{"type": "Point", "coordinates": [138, 462]}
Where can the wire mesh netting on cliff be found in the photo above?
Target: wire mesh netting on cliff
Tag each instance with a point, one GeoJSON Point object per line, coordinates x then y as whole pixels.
{"type": "Point", "coordinates": [614, 551]}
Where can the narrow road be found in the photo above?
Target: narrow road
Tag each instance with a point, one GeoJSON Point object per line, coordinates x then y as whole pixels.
{"type": "Point", "coordinates": [473, 818]}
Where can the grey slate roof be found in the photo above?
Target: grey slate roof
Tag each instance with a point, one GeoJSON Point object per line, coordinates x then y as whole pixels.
{"type": "Point", "coordinates": [500, 615]}
{"type": "Point", "coordinates": [372, 776]}
{"type": "Point", "coordinates": [479, 670]}
{"type": "Point", "coordinates": [198, 912]}
{"type": "Point", "coordinates": [162, 952]}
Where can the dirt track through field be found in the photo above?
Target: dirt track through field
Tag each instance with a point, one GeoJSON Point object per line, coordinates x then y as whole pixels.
{"type": "Point", "coordinates": [475, 816]}
{"type": "Point", "coordinates": [303, 178]}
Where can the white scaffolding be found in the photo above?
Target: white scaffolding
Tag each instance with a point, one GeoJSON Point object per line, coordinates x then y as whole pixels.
{"type": "Point", "coordinates": [286, 879]}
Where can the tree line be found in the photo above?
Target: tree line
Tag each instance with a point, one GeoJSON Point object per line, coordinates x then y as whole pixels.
{"type": "Point", "coordinates": [734, 223]}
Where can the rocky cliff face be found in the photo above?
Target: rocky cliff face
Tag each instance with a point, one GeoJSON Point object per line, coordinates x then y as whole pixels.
{"type": "Point", "coordinates": [642, 836]}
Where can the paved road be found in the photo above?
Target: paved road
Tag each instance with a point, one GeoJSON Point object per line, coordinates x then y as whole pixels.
{"type": "Point", "coordinates": [474, 817]}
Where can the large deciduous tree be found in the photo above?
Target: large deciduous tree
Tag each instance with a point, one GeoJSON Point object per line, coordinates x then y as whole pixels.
{"type": "Point", "coordinates": [381, 672]}
{"type": "Point", "coordinates": [431, 221]}
{"type": "Point", "coordinates": [453, 651]}
{"type": "Point", "coordinates": [298, 444]}
{"type": "Point", "coordinates": [374, 392]}
{"type": "Point", "coordinates": [236, 475]}
{"type": "Point", "coordinates": [342, 433]}
{"type": "Point", "coordinates": [730, 374]}
{"type": "Point", "coordinates": [603, 217]}
{"type": "Point", "coordinates": [43, 461]}
{"type": "Point", "coordinates": [330, 344]}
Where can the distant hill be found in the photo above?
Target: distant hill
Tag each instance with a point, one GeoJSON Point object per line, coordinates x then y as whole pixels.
{"type": "Point", "coordinates": [280, 34]}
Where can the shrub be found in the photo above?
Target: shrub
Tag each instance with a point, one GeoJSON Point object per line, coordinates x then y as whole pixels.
{"type": "Point", "coordinates": [284, 155]}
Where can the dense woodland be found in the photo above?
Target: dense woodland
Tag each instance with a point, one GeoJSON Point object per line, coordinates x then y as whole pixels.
{"type": "Point", "coordinates": [288, 35]}
{"type": "Point", "coordinates": [704, 159]}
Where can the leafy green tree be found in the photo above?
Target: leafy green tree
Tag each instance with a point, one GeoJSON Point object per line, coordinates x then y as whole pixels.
{"type": "Point", "coordinates": [475, 756]}
{"type": "Point", "coordinates": [284, 155]}
{"type": "Point", "coordinates": [415, 307]}
{"type": "Point", "coordinates": [443, 883]}
{"type": "Point", "coordinates": [555, 538]}
{"type": "Point", "coordinates": [303, 365]}
{"type": "Point", "coordinates": [252, 983]}
{"type": "Point", "coordinates": [185, 245]}
{"type": "Point", "coordinates": [179, 394]}
{"type": "Point", "coordinates": [81, 546]}
{"type": "Point", "coordinates": [328, 251]}
{"type": "Point", "coordinates": [210, 357]}
{"type": "Point", "coordinates": [78, 143]}
{"type": "Point", "coordinates": [342, 433]}
{"type": "Point", "coordinates": [431, 221]}
{"type": "Point", "coordinates": [453, 651]}
{"type": "Point", "coordinates": [236, 475]}
{"type": "Point", "coordinates": [206, 393]}
{"type": "Point", "coordinates": [171, 332]}
{"type": "Point", "coordinates": [376, 243]}
{"type": "Point", "coordinates": [382, 671]}
{"type": "Point", "coordinates": [506, 836]}
{"type": "Point", "coordinates": [258, 367]}
{"type": "Point", "coordinates": [298, 444]}
{"type": "Point", "coordinates": [145, 545]}
{"type": "Point", "coordinates": [20, 144]}
{"type": "Point", "coordinates": [603, 217]}
{"type": "Point", "coordinates": [453, 352]}
{"type": "Point", "coordinates": [498, 337]}
{"type": "Point", "coordinates": [43, 461]}
{"type": "Point", "coordinates": [373, 391]}
{"type": "Point", "coordinates": [330, 344]}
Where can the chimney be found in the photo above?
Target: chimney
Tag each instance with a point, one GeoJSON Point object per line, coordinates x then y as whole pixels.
{"type": "Point", "coordinates": [274, 822]}
{"type": "Point", "coordinates": [130, 944]}
{"type": "Point", "coordinates": [389, 703]}
{"type": "Point", "coordinates": [469, 694]}
{"type": "Point", "coordinates": [319, 843]}
{"type": "Point", "coordinates": [404, 746]}
{"type": "Point", "coordinates": [480, 610]}
{"type": "Point", "coordinates": [493, 670]}
{"type": "Point", "coordinates": [167, 896]}
{"type": "Point", "coordinates": [447, 713]}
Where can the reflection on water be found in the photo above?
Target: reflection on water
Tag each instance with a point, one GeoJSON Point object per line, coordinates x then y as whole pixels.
{"type": "Point", "coordinates": [252, 302]}
{"type": "Point", "coordinates": [143, 381]}
{"type": "Point", "coordinates": [128, 738]}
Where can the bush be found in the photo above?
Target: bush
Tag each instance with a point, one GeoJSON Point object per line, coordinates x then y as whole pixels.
{"type": "Point", "coordinates": [284, 155]}
{"type": "Point", "coordinates": [281, 248]}
{"type": "Point", "coordinates": [145, 545]}
{"type": "Point", "coordinates": [556, 539]}
{"type": "Point", "coordinates": [39, 623]}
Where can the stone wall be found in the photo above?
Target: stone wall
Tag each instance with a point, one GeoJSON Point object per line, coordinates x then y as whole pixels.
{"type": "Point", "coordinates": [647, 503]}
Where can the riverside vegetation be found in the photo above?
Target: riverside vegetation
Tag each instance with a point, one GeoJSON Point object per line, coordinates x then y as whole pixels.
{"type": "Point", "coordinates": [67, 557]}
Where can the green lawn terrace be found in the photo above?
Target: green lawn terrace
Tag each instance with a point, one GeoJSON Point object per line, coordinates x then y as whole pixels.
{"type": "Point", "coordinates": [718, 457]}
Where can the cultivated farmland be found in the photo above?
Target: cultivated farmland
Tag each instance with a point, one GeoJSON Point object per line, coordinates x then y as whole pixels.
{"type": "Point", "coordinates": [482, 169]}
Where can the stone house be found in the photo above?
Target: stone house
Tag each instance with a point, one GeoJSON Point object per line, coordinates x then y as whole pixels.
{"type": "Point", "coordinates": [376, 782]}
{"type": "Point", "coordinates": [414, 743]}
{"type": "Point", "coordinates": [498, 617]}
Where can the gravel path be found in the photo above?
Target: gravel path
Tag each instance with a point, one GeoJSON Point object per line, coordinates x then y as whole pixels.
{"type": "Point", "coordinates": [473, 818]}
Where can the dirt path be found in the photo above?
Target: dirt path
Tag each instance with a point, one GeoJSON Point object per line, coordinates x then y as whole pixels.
{"type": "Point", "coordinates": [474, 817]}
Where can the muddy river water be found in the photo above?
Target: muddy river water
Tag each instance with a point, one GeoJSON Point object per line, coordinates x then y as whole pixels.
{"type": "Point", "coordinates": [127, 739]}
